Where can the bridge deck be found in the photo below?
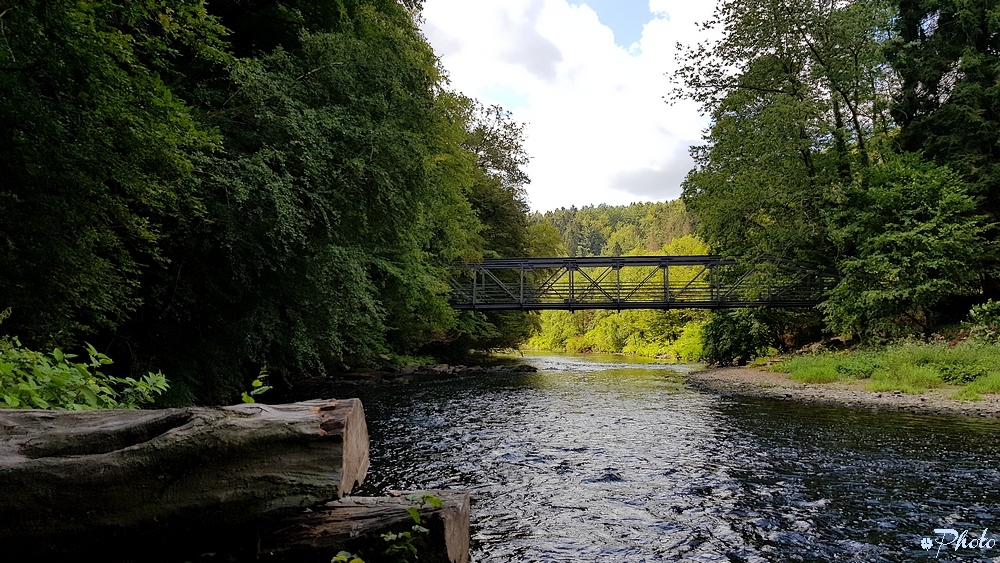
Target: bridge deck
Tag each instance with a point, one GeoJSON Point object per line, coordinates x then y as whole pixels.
{"type": "Point", "coordinates": [639, 282]}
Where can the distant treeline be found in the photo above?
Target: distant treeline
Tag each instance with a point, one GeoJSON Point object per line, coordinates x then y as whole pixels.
{"type": "Point", "coordinates": [208, 189]}
{"type": "Point", "coordinates": [640, 229]}
{"type": "Point", "coordinates": [608, 230]}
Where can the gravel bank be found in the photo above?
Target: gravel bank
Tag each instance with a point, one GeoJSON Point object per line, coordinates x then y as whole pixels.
{"type": "Point", "coordinates": [758, 383]}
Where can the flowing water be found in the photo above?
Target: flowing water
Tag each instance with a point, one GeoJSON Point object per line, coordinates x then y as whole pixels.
{"type": "Point", "coordinates": [604, 458]}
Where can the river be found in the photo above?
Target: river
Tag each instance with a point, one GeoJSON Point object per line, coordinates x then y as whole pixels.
{"type": "Point", "coordinates": [608, 458]}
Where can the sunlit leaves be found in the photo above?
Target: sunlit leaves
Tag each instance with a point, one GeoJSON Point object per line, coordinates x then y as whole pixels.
{"type": "Point", "coordinates": [30, 379]}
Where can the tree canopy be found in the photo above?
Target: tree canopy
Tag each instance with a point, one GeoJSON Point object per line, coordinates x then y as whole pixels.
{"type": "Point", "coordinates": [212, 189]}
{"type": "Point", "coordinates": [859, 134]}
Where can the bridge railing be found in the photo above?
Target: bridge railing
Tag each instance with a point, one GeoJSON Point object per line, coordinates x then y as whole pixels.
{"type": "Point", "coordinates": [639, 282]}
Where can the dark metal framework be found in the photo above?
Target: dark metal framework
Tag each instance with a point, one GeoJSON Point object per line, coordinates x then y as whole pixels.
{"type": "Point", "coordinates": [639, 282]}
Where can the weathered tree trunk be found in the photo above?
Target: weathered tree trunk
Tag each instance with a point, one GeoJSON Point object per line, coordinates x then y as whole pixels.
{"type": "Point", "coordinates": [167, 478]}
{"type": "Point", "coordinates": [355, 524]}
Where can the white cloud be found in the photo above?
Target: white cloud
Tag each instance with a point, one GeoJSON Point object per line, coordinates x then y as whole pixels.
{"type": "Point", "coordinates": [650, 183]}
{"type": "Point", "coordinates": [529, 48]}
{"type": "Point", "coordinates": [598, 128]}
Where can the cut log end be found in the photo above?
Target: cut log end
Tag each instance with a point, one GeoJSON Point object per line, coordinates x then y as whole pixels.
{"type": "Point", "coordinates": [355, 524]}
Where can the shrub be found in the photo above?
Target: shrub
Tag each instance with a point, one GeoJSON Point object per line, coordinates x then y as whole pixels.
{"type": "Point", "coordinates": [738, 336]}
{"type": "Point", "coordinates": [985, 321]}
{"type": "Point", "coordinates": [30, 379]}
{"type": "Point", "coordinates": [960, 374]}
{"type": "Point", "coordinates": [985, 313]}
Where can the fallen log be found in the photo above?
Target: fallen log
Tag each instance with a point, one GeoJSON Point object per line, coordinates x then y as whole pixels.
{"type": "Point", "coordinates": [169, 478]}
{"type": "Point", "coordinates": [355, 524]}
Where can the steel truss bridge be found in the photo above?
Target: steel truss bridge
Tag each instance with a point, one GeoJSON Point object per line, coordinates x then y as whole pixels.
{"type": "Point", "coordinates": [639, 282]}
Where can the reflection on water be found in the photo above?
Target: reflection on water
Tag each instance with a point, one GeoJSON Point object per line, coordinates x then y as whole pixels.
{"type": "Point", "coordinates": [609, 459]}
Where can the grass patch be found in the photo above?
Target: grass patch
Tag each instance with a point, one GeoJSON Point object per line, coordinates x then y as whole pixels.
{"type": "Point", "coordinates": [909, 367]}
{"type": "Point", "coordinates": [861, 365]}
{"type": "Point", "coordinates": [908, 378]}
{"type": "Point", "coordinates": [974, 391]}
{"type": "Point", "coordinates": [812, 368]}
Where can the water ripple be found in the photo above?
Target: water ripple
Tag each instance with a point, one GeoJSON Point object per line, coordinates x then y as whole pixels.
{"type": "Point", "coordinates": [604, 460]}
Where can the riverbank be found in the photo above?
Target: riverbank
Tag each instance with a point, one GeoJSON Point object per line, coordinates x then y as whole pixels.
{"type": "Point", "coordinates": [317, 387]}
{"type": "Point", "coordinates": [759, 383]}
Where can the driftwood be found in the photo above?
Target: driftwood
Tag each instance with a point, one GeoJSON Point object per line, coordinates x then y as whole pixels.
{"type": "Point", "coordinates": [99, 480]}
{"type": "Point", "coordinates": [355, 524]}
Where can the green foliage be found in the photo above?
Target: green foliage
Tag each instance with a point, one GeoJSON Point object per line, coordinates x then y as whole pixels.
{"type": "Point", "coordinates": [498, 191]}
{"type": "Point", "coordinates": [788, 89]}
{"type": "Point", "coordinates": [859, 365]}
{"type": "Point", "coordinates": [498, 198]}
{"type": "Point", "coordinates": [346, 557]}
{"type": "Point", "coordinates": [984, 321]}
{"type": "Point", "coordinates": [33, 380]}
{"type": "Point", "coordinates": [985, 313]}
{"type": "Point", "coordinates": [911, 367]}
{"type": "Point", "coordinates": [910, 238]}
{"type": "Point", "coordinates": [674, 335]}
{"type": "Point", "coordinates": [257, 386]}
{"type": "Point", "coordinates": [806, 157]}
{"type": "Point", "coordinates": [605, 230]}
{"type": "Point", "coordinates": [887, 384]}
{"type": "Point", "coordinates": [989, 384]}
{"type": "Point", "coordinates": [289, 190]}
{"type": "Point", "coordinates": [689, 346]}
{"type": "Point", "coordinates": [906, 377]}
{"type": "Point", "coordinates": [544, 240]}
{"type": "Point", "coordinates": [96, 149]}
{"type": "Point", "coordinates": [333, 219]}
{"type": "Point", "coordinates": [403, 547]}
{"type": "Point", "coordinates": [344, 192]}
{"type": "Point", "coordinates": [947, 56]}
{"type": "Point", "coordinates": [740, 335]}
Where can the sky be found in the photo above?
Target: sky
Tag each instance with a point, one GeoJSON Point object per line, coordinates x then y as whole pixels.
{"type": "Point", "coordinates": [588, 77]}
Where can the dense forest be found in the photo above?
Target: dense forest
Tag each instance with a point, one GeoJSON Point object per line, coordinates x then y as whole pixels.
{"type": "Point", "coordinates": [212, 190]}
{"type": "Point", "coordinates": [864, 135]}
{"type": "Point", "coordinates": [640, 229]}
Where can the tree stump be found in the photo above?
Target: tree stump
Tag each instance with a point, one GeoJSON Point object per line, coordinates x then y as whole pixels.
{"type": "Point", "coordinates": [91, 481]}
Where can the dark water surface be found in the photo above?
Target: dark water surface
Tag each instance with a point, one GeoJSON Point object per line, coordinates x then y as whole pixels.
{"type": "Point", "coordinates": [604, 458]}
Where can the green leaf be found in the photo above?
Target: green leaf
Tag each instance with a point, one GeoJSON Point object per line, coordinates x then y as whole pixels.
{"type": "Point", "coordinates": [414, 514]}
{"type": "Point", "coordinates": [247, 398]}
{"type": "Point", "coordinates": [432, 500]}
{"type": "Point", "coordinates": [89, 396]}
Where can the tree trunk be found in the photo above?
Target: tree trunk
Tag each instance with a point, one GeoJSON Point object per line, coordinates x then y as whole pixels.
{"type": "Point", "coordinates": [108, 480]}
{"type": "Point", "coordinates": [355, 524]}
